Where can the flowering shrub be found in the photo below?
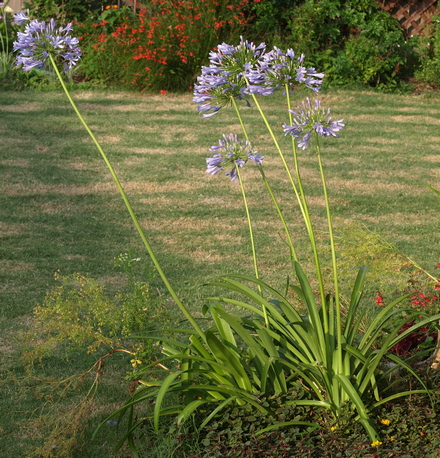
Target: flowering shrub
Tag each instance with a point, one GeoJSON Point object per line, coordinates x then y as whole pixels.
{"type": "Point", "coordinates": [164, 45]}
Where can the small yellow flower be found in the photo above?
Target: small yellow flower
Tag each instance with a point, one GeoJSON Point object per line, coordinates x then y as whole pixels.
{"type": "Point", "coordinates": [393, 439]}
{"type": "Point", "coordinates": [376, 444]}
{"type": "Point", "coordinates": [333, 428]}
{"type": "Point", "coordinates": [135, 362]}
{"type": "Point", "coordinates": [385, 421]}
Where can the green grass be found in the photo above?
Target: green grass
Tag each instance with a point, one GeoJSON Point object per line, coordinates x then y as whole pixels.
{"type": "Point", "coordinates": [59, 210]}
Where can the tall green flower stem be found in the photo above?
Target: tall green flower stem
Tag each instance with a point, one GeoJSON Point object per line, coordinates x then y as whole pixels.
{"type": "Point", "coordinates": [251, 232]}
{"type": "Point", "coordinates": [293, 255]}
{"type": "Point", "coordinates": [251, 235]}
{"type": "Point", "coordinates": [333, 253]}
{"type": "Point", "coordinates": [304, 210]}
{"type": "Point", "coordinates": [179, 303]}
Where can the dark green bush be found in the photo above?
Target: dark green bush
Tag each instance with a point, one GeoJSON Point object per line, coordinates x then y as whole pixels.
{"type": "Point", "coordinates": [353, 42]}
{"type": "Point", "coordinates": [66, 10]}
{"type": "Point", "coordinates": [429, 50]}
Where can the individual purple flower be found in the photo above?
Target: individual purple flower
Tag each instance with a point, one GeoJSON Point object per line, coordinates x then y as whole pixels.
{"type": "Point", "coordinates": [312, 117]}
{"type": "Point", "coordinates": [41, 39]}
{"type": "Point", "coordinates": [20, 18]}
{"type": "Point", "coordinates": [224, 79]}
{"type": "Point", "coordinates": [231, 149]}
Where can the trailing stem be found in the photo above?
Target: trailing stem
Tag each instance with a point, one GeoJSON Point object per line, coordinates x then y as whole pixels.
{"type": "Point", "coordinates": [179, 303]}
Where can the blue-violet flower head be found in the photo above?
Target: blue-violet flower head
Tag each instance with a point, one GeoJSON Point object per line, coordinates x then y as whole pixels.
{"type": "Point", "coordinates": [278, 69]}
{"type": "Point", "coordinates": [312, 117]}
{"type": "Point", "coordinates": [231, 149]}
{"type": "Point", "coordinates": [224, 79]}
{"type": "Point", "coordinates": [41, 39]}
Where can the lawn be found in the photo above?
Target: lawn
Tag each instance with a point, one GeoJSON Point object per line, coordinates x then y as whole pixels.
{"type": "Point", "coordinates": [60, 212]}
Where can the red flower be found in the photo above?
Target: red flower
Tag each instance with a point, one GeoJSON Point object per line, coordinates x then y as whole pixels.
{"type": "Point", "coordinates": [379, 300]}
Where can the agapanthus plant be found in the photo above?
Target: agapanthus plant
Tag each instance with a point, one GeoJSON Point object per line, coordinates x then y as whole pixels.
{"type": "Point", "coordinates": [311, 117]}
{"type": "Point", "coordinates": [43, 45]}
{"type": "Point", "coordinates": [275, 344]}
{"type": "Point", "coordinates": [223, 81]}
{"type": "Point", "coordinates": [276, 68]}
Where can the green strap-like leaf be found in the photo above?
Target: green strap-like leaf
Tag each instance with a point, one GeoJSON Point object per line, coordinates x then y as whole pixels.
{"type": "Point", "coordinates": [229, 359]}
{"type": "Point", "coordinates": [189, 409]}
{"type": "Point", "coordinates": [160, 397]}
{"type": "Point", "coordinates": [360, 407]}
{"type": "Point", "coordinates": [356, 295]}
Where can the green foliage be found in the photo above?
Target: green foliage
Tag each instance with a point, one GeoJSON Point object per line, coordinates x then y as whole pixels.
{"type": "Point", "coordinates": [354, 42]}
{"type": "Point", "coordinates": [8, 31]}
{"type": "Point", "coordinates": [389, 270]}
{"type": "Point", "coordinates": [429, 51]}
{"type": "Point", "coordinates": [404, 423]}
{"type": "Point", "coordinates": [65, 10]}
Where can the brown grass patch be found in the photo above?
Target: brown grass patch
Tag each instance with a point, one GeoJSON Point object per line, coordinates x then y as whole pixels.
{"type": "Point", "coordinates": [191, 224]}
{"type": "Point", "coordinates": [109, 139]}
{"type": "Point", "coordinates": [381, 140]}
{"type": "Point", "coordinates": [25, 107]}
{"type": "Point", "coordinates": [99, 188]}
{"type": "Point", "coordinates": [416, 119]}
{"type": "Point", "coordinates": [15, 162]}
{"type": "Point", "coordinates": [432, 158]}
{"type": "Point", "coordinates": [358, 188]}
{"type": "Point", "coordinates": [402, 219]}
{"type": "Point", "coordinates": [16, 266]}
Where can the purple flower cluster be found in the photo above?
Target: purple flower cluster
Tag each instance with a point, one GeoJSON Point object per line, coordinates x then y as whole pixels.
{"type": "Point", "coordinates": [41, 39]}
{"type": "Point", "coordinates": [309, 118]}
{"type": "Point", "coordinates": [237, 71]}
{"type": "Point", "coordinates": [231, 150]}
{"type": "Point", "coordinates": [277, 68]}
{"type": "Point", "coordinates": [225, 77]}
